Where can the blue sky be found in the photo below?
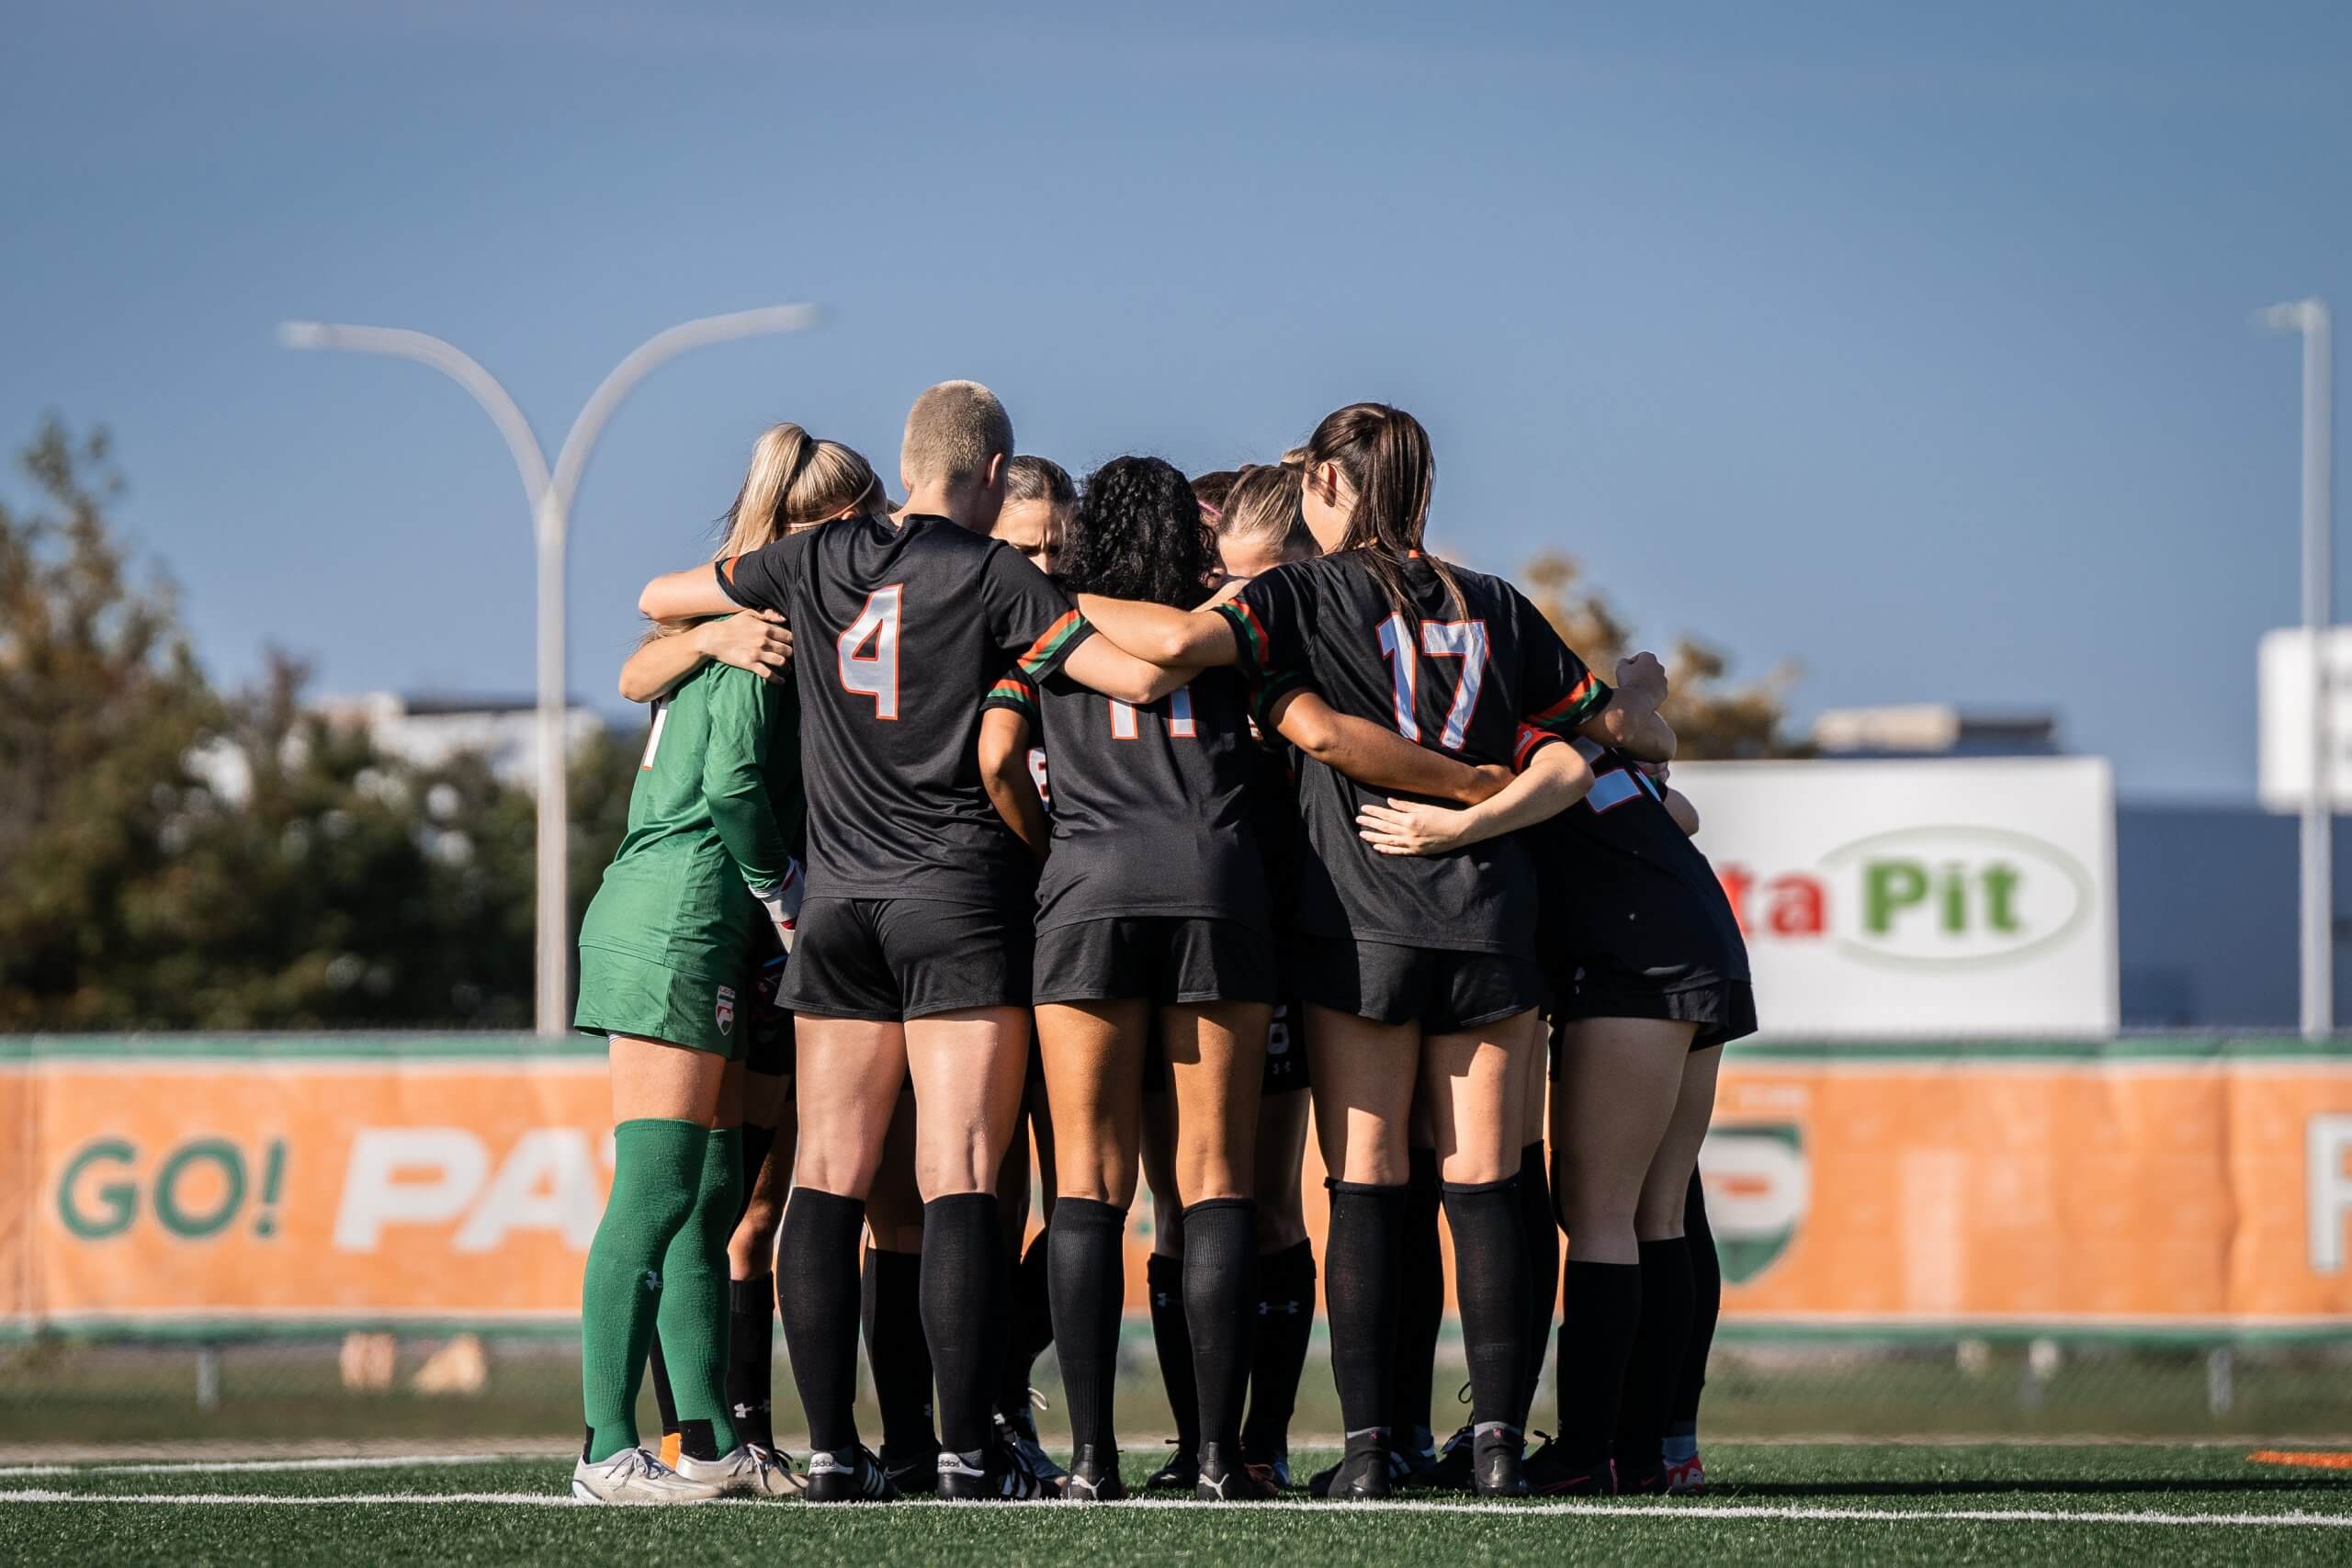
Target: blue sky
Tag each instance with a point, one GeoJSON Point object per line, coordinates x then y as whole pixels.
{"type": "Point", "coordinates": [1907, 342]}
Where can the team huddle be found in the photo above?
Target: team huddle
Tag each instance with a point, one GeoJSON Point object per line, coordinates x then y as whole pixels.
{"type": "Point", "coordinates": [1141, 815]}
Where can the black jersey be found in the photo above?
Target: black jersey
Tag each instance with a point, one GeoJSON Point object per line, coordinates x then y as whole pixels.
{"type": "Point", "coordinates": [1153, 807]}
{"type": "Point", "coordinates": [898, 632]}
{"type": "Point", "coordinates": [1460, 680]}
{"type": "Point", "coordinates": [1622, 883]}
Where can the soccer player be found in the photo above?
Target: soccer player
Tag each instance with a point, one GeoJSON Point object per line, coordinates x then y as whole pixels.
{"type": "Point", "coordinates": [666, 958]}
{"type": "Point", "coordinates": [1416, 971]}
{"type": "Point", "coordinates": [913, 950]}
{"type": "Point", "coordinates": [1153, 920]}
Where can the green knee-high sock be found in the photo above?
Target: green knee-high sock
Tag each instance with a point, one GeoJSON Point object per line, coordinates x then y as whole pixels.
{"type": "Point", "coordinates": [694, 1300]}
{"type": "Point", "coordinates": [657, 1169]}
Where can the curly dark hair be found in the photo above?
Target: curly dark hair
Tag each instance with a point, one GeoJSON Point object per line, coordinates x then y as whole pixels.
{"type": "Point", "coordinates": [1139, 535]}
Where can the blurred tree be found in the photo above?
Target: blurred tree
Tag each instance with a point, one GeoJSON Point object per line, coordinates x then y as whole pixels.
{"type": "Point", "coordinates": [1714, 718]}
{"type": "Point", "coordinates": [172, 858]}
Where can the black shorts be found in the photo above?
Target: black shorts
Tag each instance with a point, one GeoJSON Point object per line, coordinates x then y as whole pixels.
{"type": "Point", "coordinates": [1285, 1057]}
{"type": "Point", "coordinates": [1722, 1008]}
{"type": "Point", "coordinates": [892, 959]}
{"type": "Point", "coordinates": [1167, 959]}
{"type": "Point", "coordinates": [767, 1047]}
{"type": "Point", "coordinates": [1445, 990]}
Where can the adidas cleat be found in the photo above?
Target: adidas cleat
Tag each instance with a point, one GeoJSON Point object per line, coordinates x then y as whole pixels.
{"type": "Point", "coordinates": [750, 1471]}
{"type": "Point", "coordinates": [994, 1474]}
{"type": "Point", "coordinates": [636, 1476]}
{"type": "Point", "coordinates": [853, 1477]}
{"type": "Point", "coordinates": [1093, 1476]}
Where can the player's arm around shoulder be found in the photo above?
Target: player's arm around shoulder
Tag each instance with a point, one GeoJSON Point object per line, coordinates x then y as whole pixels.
{"type": "Point", "coordinates": [1553, 777]}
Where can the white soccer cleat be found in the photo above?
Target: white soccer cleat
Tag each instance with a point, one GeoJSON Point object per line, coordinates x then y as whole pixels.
{"type": "Point", "coordinates": [635, 1476]}
{"type": "Point", "coordinates": [750, 1472]}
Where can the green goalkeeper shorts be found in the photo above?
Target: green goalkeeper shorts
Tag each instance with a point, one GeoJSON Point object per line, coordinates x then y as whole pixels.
{"type": "Point", "coordinates": [622, 994]}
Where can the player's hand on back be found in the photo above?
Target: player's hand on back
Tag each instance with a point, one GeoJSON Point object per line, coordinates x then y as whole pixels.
{"type": "Point", "coordinates": [756, 640]}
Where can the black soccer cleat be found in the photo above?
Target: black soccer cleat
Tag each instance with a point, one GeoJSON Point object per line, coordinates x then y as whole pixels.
{"type": "Point", "coordinates": [997, 1473]}
{"type": "Point", "coordinates": [1181, 1473]}
{"type": "Point", "coordinates": [915, 1474]}
{"type": "Point", "coordinates": [854, 1477]}
{"type": "Point", "coordinates": [1496, 1462]}
{"type": "Point", "coordinates": [1223, 1480]}
{"type": "Point", "coordinates": [1361, 1477]}
{"type": "Point", "coordinates": [1449, 1470]}
{"type": "Point", "coordinates": [1550, 1474]}
{"type": "Point", "coordinates": [1093, 1476]}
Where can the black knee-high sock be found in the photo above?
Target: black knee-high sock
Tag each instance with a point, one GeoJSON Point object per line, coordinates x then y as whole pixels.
{"type": "Point", "coordinates": [1540, 1234]}
{"type": "Point", "coordinates": [1706, 1305]}
{"type": "Point", "coordinates": [818, 1297]}
{"type": "Point", "coordinates": [963, 1302]}
{"type": "Point", "coordinates": [751, 1318]}
{"type": "Point", "coordinates": [897, 1355]}
{"type": "Point", "coordinates": [664, 1400]}
{"type": "Point", "coordinates": [751, 1357]}
{"type": "Point", "coordinates": [1220, 1280]}
{"type": "Point", "coordinates": [1278, 1336]}
{"type": "Point", "coordinates": [1362, 1279]}
{"type": "Point", "coordinates": [1171, 1339]}
{"type": "Point", "coordinates": [1490, 1281]}
{"type": "Point", "coordinates": [1603, 1312]}
{"type": "Point", "coordinates": [1031, 1327]}
{"type": "Point", "coordinates": [1086, 1287]}
{"type": "Point", "coordinates": [1421, 1311]}
{"type": "Point", "coordinates": [1656, 1366]}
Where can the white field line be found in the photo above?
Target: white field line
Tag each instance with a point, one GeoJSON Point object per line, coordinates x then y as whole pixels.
{"type": "Point", "coordinates": [332, 1462]}
{"type": "Point", "coordinates": [1565, 1510]}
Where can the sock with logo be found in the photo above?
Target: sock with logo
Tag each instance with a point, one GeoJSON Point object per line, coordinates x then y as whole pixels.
{"type": "Point", "coordinates": [1363, 1279]}
{"type": "Point", "coordinates": [693, 1321]}
{"type": "Point", "coordinates": [816, 1297]}
{"type": "Point", "coordinates": [896, 1354]}
{"type": "Point", "coordinates": [1171, 1339]}
{"type": "Point", "coordinates": [964, 1297]}
{"type": "Point", "coordinates": [1089, 1289]}
{"type": "Point", "coordinates": [1540, 1234]}
{"type": "Point", "coordinates": [657, 1166]}
{"type": "Point", "coordinates": [1420, 1307]}
{"type": "Point", "coordinates": [1655, 1367]}
{"type": "Point", "coordinates": [751, 1358]}
{"type": "Point", "coordinates": [1220, 1269]}
{"type": "Point", "coordinates": [1603, 1312]}
{"type": "Point", "coordinates": [1490, 1278]}
{"type": "Point", "coordinates": [1032, 1327]}
{"type": "Point", "coordinates": [1706, 1305]}
{"type": "Point", "coordinates": [1286, 1321]}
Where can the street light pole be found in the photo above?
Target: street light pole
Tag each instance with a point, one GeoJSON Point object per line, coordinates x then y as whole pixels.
{"type": "Point", "coordinates": [550, 494]}
{"type": "Point", "coordinates": [2310, 318]}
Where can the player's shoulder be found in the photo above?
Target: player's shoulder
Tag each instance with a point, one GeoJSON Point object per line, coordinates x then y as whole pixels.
{"type": "Point", "coordinates": [1482, 589]}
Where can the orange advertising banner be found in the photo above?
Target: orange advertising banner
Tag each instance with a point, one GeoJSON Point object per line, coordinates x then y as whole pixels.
{"type": "Point", "coordinates": [218, 1187]}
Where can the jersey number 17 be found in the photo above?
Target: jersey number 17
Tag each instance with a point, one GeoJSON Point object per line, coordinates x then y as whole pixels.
{"type": "Point", "coordinates": [1464, 641]}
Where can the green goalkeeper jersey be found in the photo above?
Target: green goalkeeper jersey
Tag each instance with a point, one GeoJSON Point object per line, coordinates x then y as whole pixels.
{"type": "Point", "coordinates": [716, 811]}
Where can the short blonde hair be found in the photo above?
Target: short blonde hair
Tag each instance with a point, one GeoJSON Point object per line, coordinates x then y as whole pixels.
{"type": "Point", "coordinates": [951, 431]}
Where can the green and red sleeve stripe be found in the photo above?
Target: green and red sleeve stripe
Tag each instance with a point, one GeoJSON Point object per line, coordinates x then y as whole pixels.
{"type": "Point", "coordinates": [1046, 655]}
{"type": "Point", "coordinates": [1529, 742]}
{"type": "Point", "coordinates": [1249, 635]}
{"type": "Point", "coordinates": [1270, 689]}
{"type": "Point", "coordinates": [1586, 697]}
{"type": "Point", "coordinates": [1013, 693]}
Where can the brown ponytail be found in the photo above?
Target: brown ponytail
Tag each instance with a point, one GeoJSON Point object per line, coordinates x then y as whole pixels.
{"type": "Point", "coordinates": [1385, 454]}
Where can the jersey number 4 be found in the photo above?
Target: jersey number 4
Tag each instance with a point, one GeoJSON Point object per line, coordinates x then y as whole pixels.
{"type": "Point", "coordinates": [874, 673]}
{"type": "Point", "coordinates": [1465, 640]}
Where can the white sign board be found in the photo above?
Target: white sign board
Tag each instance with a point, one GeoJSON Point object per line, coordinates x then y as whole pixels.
{"type": "Point", "coordinates": [2287, 719]}
{"type": "Point", "coordinates": [1942, 898]}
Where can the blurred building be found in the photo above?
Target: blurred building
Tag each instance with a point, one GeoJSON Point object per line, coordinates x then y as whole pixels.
{"type": "Point", "coordinates": [2205, 894]}
{"type": "Point", "coordinates": [427, 729]}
